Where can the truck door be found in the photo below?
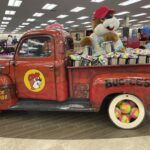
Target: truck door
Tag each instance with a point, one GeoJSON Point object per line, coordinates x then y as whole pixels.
{"type": "Point", "coordinates": [35, 68]}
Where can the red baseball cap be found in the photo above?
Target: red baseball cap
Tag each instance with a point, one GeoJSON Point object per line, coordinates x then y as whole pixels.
{"type": "Point", "coordinates": [102, 12]}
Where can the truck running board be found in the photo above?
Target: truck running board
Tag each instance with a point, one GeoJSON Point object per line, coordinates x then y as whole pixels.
{"type": "Point", "coordinates": [44, 105]}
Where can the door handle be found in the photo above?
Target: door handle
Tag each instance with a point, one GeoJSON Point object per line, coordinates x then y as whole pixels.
{"type": "Point", "coordinates": [51, 67]}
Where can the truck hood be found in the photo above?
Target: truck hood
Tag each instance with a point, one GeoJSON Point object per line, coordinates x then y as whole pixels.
{"type": "Point", "coordinates": [5, 63]}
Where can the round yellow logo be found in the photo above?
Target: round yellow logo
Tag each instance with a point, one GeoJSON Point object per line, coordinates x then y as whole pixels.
{"type": "Point", "coordinates": [34, 80]}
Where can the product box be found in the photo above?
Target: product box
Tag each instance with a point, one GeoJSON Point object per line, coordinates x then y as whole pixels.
{"type": "Point", "coordinates": [122, 61]}
{"type": "Point", "coordinates": [142, 59]}
{"type": "Point", "coordinates": [132, 61]}
{"type": "Point", "coordinates": [113, 61]}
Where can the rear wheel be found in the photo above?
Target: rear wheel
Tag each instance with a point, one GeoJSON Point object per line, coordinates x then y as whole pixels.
{"type": "Point", "coordinates": [126, 111]}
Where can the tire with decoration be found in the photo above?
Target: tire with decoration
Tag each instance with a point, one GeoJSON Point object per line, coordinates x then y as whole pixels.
{"type": "Point", "coordinates": [126, 111]}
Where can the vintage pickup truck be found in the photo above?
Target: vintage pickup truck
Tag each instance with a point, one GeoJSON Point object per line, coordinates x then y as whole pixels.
{"type": "Point", "coordinates": [39, 77]}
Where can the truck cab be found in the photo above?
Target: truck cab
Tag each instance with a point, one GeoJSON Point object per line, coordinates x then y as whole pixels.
{"type": "Point", "coordinates": [40, 77]}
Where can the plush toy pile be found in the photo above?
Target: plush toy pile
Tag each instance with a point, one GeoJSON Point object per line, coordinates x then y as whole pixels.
{"type": "Point", "coordinates": [130, 56]}
{"type": "Point", "coordinates": [126, 112]}
{"type": "Point", "coordinates": [104, 47]}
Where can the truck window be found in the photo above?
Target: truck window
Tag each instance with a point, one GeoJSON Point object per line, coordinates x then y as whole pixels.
{"type": "Point", "coordinates": [36, 47]}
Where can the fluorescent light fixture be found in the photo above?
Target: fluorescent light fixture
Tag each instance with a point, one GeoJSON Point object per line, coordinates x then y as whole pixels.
{"type": "Point", "coordinates": [144, 21]}
{"type": "Point", "coordinates": [138, 15]}
{"type": "Point", "coordinates": [52, 21]}
{"type": "Point", "coordinates": [7, 18]}
{"type": "Point", "coordinates": [120, 19]}
{"type": "Point", "coordinates": [14, 3]}
{"type": "Point", "coordinates": [5, 22]}
{"type": "Point", "coordinates": [70, 22]}
{"type": "Point", "coordinates": [44, 24]}
{"type": "Point", "coordinates": [37, 27]}
{"type": "Point", "coordinates": [148, 17]}
{"type": "Point", "coordinates": [77, 9]}
{"type": "Point", "coordinates": [146, 6]}
{"type": "Point", "coordinates": [31, 20]}
{"type": "Point", "coordinates": [122, 13]}
{"type": "Point", "coordinates": [137, 25]}
{"type": "Point", "coordinates": [75, 25]}
{"type": "Point", "coordinates": [129, 2]}
{"type": "Point", "coordinates": [88, 26]}
{"type": "Point", "coordinates": [18, 28]}
{"type": "Point", "coordinates": [62, 16]}
{"type": "Point", "coordinates": [49, 6]}
{"type": "Point", "coordinates": [3, 25]}
{"type": "Point", "coordinates": [2, 28]}
{"type": "Point", "coordinates": [83, 17]}
{"type": "Point", "coordinates": [25, 23]}
{"type": "Point", "coordinates": [97, 1]}
{"type": "Point", "coordinates": [133, 20]}
{"type": "Point", "coordinates": [86, 22]}
{"type": "Point", "coordinates": [10, 12]}
{"type": "Point", "coordinates": [21, 26]}
{"type": "Point", "coordinates": [38, 14]}
{"type": "Point", "coordinates": [66, 28]}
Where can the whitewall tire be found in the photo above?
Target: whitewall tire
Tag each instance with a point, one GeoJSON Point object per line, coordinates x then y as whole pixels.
{"type": "Point", "coordinates": [136, 101]}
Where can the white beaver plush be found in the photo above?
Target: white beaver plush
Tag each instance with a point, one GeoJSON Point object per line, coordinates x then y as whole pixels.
{"type": "Point", "coordinates": [105, 25]}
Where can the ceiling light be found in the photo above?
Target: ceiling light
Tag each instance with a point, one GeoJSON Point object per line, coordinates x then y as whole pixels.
{"type": "Point", "coordinates": [70, 22]}
{"type": "Point", "coordinates": [2, 28]}
{"type": "Point", "coordinates": [137, 25]}
{"type": "Point", "coordinates": [7, 18]}
{"type": "Point", "coordinates": [21, 26]}
{"type": "Point", "coordinates": [14, 3]}
{"type": "Point", "coordinates": [83, 17]}
{"type": "Point", "coordinates": [62, 16]}
{"type": "Point", "coordinates": [51, 21]}
{"type": "Point", "coordinates": [144, 21]}
{"type": "Point", "coordinates": [3, 25]}
{"type": "Point", "coordinates": [88, 26]}
{"type": "Point", "coordinates": [129, 2]}
{"type": "Point", "coordinates": [146, 6]}
{"type": "Point", "coordinates": [5, 22]}
{"type": "Point", "coordinates": [97, 1]}
{"type": "Point", "coordinates": [31, 20]}
{"type": "Point", "coordinates": [37, 27]}
{"type": "Point", "coordinates": [138, 15]}
{"type": "Point", "coordinates": [75, 26]}
{"type": "Point", "coordinates": [38, 14]}
{"type": "Point", "coordinates": [18, 28]}
{"type": "Point", "coordinates": [86, 22]}
{"type": "Point", "coordinates": [49, 6]}
{"type": "Point", "coordinates": [133, 20]}
{"type": "Point", "coordinates": [25, 23]}
{"type": "Point", "coordinates": [120, 19]}
{"type": "Point", "coordinates": [44, 24]}
{"type": "Point", "coordinates": [122, 13]}
{"type": "Point", "coordinates": [77, 9]}
{"type": "Point", "coordinates": [10, 12]}
{"type": "Point", "coordinates": [66, 28]}
{"type": "Point", "coordinates": [148, 17]}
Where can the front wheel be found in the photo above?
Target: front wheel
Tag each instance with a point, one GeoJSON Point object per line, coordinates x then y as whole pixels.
{"type": "Point", "coordinates": [126, 111]}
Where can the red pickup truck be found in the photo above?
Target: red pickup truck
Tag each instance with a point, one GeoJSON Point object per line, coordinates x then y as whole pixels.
{"type": "Point", "coordinates": [39, 77]}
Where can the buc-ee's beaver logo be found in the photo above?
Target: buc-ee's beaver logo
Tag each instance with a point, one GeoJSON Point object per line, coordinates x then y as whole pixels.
{"type": "Point", "coordinates": [34, 80]}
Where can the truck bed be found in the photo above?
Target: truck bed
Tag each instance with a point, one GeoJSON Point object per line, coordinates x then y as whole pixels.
{"type": "Point", "coordinates": [80, 77]}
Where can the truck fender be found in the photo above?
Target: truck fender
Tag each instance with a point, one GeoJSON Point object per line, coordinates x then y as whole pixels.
{"type": "Point", "coordinates": [127, 83]}
{"type": "Point", "coordinates": [7, 93]}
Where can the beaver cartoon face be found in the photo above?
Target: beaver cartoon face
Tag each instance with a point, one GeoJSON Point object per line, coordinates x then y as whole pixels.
{"type": "Point", "coordinates": [108, 25]}
{"type": "Point", "coordinates": [104, 21]}
{"type": "Point", "coordinates": [35, 81]}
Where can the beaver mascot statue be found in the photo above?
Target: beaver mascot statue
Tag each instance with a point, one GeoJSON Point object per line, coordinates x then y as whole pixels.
{"type": "Point", "coordinates": [105, 25]}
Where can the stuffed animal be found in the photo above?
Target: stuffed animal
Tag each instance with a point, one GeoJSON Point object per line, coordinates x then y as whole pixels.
{"type": "Point", "coordinates": [104, 25]}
